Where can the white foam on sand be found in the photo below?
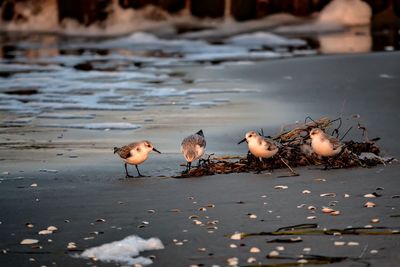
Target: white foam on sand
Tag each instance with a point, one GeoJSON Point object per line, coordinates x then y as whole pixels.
{"type": "Point", "coordinates": [124, 251]}
{"type": "Point", "coordinates": [347, 12]}
{"type": "Point", "coordinates": [261, 39]}
{"type": "Point", "coordinates": [96, 126]}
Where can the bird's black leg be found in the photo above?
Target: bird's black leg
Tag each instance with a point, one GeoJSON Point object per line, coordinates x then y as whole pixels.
{"type": "Point", "coordinates": [140, 175]}
{"type": "Point", "coordinates": [271, 162]}
{"type": "Point", "coordinates": [127, 174]}
{"type": "Point", "coordinates": [189, 165]}
{"type": "Point", "coordinates": [260, 165]}
{"type": "Point", "coordinates": [327, 164]}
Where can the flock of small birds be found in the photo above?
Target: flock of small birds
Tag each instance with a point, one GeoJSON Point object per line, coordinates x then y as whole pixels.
{"type": "Point", "coordinates": [193, 148]}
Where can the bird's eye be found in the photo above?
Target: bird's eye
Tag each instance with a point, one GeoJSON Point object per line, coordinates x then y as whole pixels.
{"type": "Point", "coordinates": [250, 135]}
{"type": "Point", "coordinates": [148, 145]}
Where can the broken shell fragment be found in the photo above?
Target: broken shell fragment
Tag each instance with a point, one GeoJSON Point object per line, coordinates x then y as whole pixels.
{"type": "Point", "coordinates": [236, 236]}
{"type": "Point", "coordinates": [375, 220]}
{"type": "Point", "coordinates": [251, 260]}
{"type": "Point", "coordinates": [45, 232]}
{"type": "Point", "coordinates": [151, 211]}
{"type": "Point", "coordinates": [100, 220]}
{"type": "Point", "coordinates": [273, 254]}
{"type": "Point", "coordinates": [335, 213]}
{"type": "Point", "coordinates": [233, 246]}
{"type": "Point", "coordinates": [339, 243]}
{"type": "Point", "coordinates": [52, 228]}
{"type": "Point", "coordinates": [280, 248]}
{"type": "Point", "coordinates": [369, 195]}
{"type": "Point", "coordinates": [252, 216]}
{"type": "Point", "coordinates": [328, 195]}
{"type": "Point", "coordinates": [233, 261]}
{"type": "Point", "coordinates": [71, 246]}
{"type": "Point", "coordinates": [369, 204]}
{"type": "Point", "coordinates": [29, 241]}
{"type": "Point", "coordinates": [281, 187]}
{"type": "Point", "coordinates": [352, 243]}
{"type": "Point", "coordinates": [254, 250]}
{"type": "Point", "coordinates": [311, 217]}
{"type": "Point", "coordinates": [306, 192]}
{"type": "Point", "coordinates": [327, 210]}
{"type": "Point", "coordinates": [202, 209]}
{"type": "Point", "coordinates": [29, 225]}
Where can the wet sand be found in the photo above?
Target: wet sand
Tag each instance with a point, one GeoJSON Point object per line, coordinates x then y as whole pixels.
{"type": "Point", "coordinates": [89, 183]}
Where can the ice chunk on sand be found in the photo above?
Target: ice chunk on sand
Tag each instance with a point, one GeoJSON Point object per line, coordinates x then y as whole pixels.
{"type": "Point", "coordinates": [124, 251]}
{"type": "Point", "coordinates": [346, 12]}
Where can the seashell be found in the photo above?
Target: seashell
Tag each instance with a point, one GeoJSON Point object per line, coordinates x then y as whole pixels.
{"type": "Point", "coordinates": [233, 246]}
{"type": "Point", "coordinates": [100, 220]}
{"type": "Point", "coordinates": [328, 195]}
{"type": "Point", "coordinates": [236, 236]}
{"type": "Point", "coordinates": [273, 254]}
{"type": "Point", "coordinates": [311, 217]}
{"type": "Point", "coordinates": [311, 208]}
{"type": "Point", "coordinates": [29, 241]}
{"type": "Point", "coordinates": [346, 195]}
{"type": "Point", "coordinates": [151, 211]}
{"type": "Point", "coordinates": [351, 243]}
{"type": "Point", "coordinates": [300, 206]}
{"type": "Point", "coordinates": [197, 222]}
{"type": "Point", "coordinates": [306, 192]}
{"type": "Point", "coordinates": [52, 228]}
{"type": "Point", "coordinates": [374, 251]}
{"type": "Point", "coordinates": [179, 243]}
{"type": "Point", "coordinates": [327, 210]}
{"type": "Point", "coordinates": [339, 243]}
{"type": "Point", "coordinates": [280, 248]}
{"type": "Point", "coordinates": [29, 225]}
{"type": "Point", "coordinates": [375, 220]}
{"type": "Point", "coordinates": [369, 204]}
{"type": "Point", "coordinates": [254, 250]}
{"type": "Point", "coordinates": [335, 213]}
{"type": "Point", "coordinates": [71, 246]}
{"type": "Point", "coordinates": [252, 216]}
{"type": "Point", "coordinates": [191, 217]}
{"type": "Point", "coordinates": [306, 249]}
{"type": "Point", "coordinates": [201, 249]}
{"type": "Point", "coordinates": [281, 187]}
{"type": "Point", "coordinates": [202, 209]}
{"type": "Point", "coordinates": [210, 205]}
{"type": "Point", "coordinates": [34, 185]}
{"type": "Point", "coordinates": [369, 195]}
{"type": "Point", "coordinates": [251, 260]}
{"type": "Point", "coordinates": [233, 261]}
{"type": "Point", "coordinates": [302, 261]}
{"type": "Point", "coordinates": [45, 232]}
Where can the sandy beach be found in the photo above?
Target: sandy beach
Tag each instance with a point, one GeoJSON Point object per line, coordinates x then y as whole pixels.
{"type": "Point", "coordinates": [79, 180]}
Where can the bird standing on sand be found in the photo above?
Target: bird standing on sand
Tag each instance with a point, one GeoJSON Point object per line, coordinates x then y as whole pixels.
{"type": "Point", "coordinates": [260, 146]}
{"type": "Point", "coordinates": [135, 154]}
{"type": "Point", "coordinates": [324, 145]}
{"type": "Point", "coordinates": [193, 148]}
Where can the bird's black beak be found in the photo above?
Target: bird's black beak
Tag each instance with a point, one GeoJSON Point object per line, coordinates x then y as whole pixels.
{"type": "Point", "coordinates": [241, 141]}
{"type": "Point", "coordinates": [156, 150]}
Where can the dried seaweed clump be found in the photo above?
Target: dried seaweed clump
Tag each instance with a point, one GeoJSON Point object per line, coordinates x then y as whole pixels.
{"type": "Point", "coordinates": [295, 150]}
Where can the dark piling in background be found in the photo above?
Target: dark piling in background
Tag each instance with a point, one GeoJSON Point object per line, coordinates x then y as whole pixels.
{"type": "Point", "coordinates": [86, 12]}
{"type": "Point", "coordinates": [208, 8]}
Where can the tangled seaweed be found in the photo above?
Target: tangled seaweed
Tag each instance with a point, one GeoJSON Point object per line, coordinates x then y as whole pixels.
{"type": "Point", "coordinates": [294, 151]}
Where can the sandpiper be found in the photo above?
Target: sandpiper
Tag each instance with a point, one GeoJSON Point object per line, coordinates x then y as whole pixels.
{"type": "Point", "coordinates": [193, 148]}
{"type": "Point", "coordinates": [135, 153]}
{"type": "Point", "coordinates": [323, 144]}
{"type": "Point", "coordinates": [260, 146]}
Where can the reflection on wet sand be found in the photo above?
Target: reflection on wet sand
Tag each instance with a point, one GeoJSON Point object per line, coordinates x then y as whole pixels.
{"type": "Point", "coordinates": [355, 40]}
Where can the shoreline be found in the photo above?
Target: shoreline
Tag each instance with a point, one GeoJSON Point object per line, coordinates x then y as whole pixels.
{"type": "Point", "coordinates": [87, 186]}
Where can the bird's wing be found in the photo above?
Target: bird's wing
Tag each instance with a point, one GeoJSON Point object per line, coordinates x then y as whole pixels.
{"type": "Point", "coordinates": [192, 141]}
{"type": "Point", "coordinates": [125, 151]}
{"type": "Point", "coordinates": [335, 142]}
{"type": "Point", "coordinates": [268, 144]}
